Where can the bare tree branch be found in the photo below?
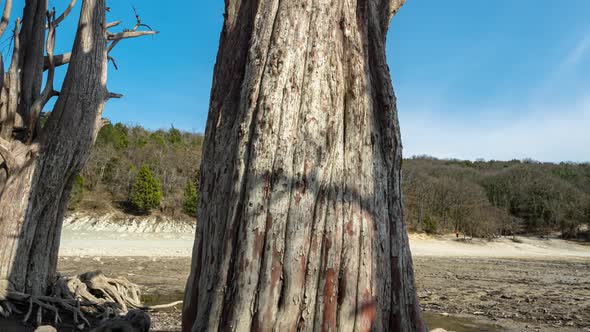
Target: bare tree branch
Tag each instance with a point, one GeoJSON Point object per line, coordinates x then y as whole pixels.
{"type": "Point", "coordinates": [111, 59]}
{"type": "Point", "coordinates": [112, 95]}
{"type": "Point", "coordinates": [391, 8]}
{"type": "Point", "coordinates": [116, 37]}
{"type": "Point", "coordinates": [12, 86]}
{"type": "Point", "coordinates": [104, 122]}
{"type": "Point", "coordinates": [62, 59]}
{"type": "Point", "coordinates": [113, 24]}
{"type": "Point", "coordinates": [48, 91]}
{"type": "Point", "coordinates": [58, 60]}
{"type": "Point", "coordinates": [5, 16]}
{"type": "Point", "coordinates": [130, 34]}
{"type": "Point", "coordinates": [65, 13]}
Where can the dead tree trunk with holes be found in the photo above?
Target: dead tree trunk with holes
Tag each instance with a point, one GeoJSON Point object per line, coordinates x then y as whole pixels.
{"type": "Point", "coordinates": [300, 223]}
{"type": "Point", "coordinates": [38, 163]}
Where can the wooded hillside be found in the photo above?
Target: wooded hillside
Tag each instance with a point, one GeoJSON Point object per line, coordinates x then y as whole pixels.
{"type": "Point", "coordinates": [166, 159]}
{"type": "Point", "coordinates": [482, 198]}
{"type": "Point", "coordinates": [487, 198]}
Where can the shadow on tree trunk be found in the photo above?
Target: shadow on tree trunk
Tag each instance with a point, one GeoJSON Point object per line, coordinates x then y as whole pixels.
{"type": "Point", "coordinates": [300, 213]}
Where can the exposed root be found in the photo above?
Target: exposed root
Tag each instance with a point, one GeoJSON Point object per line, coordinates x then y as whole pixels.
{"type": "Point", "coordinates": [90, 294]}
{"type": "Point", "coordinates": [117, 293]}
{"type": "Point", "coordinates": [3, 286]}
{"type": "Point", "coordinates": [161, 306]}
{"type": "Point", "coordinates": [7, 309]}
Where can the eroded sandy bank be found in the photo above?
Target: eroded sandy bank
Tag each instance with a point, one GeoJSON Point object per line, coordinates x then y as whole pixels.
{"type": "Point", "coordinates": [84, 242]}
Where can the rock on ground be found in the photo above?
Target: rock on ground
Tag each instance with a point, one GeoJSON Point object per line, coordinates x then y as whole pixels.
{"type": "Point", "coordinates": [46, 328]}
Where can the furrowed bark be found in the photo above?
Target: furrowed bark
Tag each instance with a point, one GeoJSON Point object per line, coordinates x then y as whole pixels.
{"type": "Point", "coordinates": [48, 92]}
{"type": "Point", "coordinates": [9, 94]}
{"type": "Point", "coordinates": [34, 199]}
{"type": "Point", "coordinates": [300, 216]}
{"type": "Point", "coordinates": [32, 40]}
{"type": "Point", "coordinates": [38, 166]}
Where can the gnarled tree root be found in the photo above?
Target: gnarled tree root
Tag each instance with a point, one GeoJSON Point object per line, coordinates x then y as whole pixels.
{"type": "Point", "coordinates": [91, 294]}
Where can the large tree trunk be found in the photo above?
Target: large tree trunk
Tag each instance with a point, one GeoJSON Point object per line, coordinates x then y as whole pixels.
{"type": "Point", "coordinates": [36, 193]}
{"type": "Point", "coordinates": [38, 165]}
{"type": "Point", "coordinates": [300, 223]}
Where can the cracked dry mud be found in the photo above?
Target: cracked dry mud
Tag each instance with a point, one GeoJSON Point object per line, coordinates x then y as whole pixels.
{"type": "Point", "coordinates": [460, 294]}
{"type": "Point", "coordinates": [517, 294]}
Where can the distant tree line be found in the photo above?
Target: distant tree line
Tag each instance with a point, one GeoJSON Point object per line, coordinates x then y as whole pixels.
{"type": "Point", "coordinates": [143, 171]}
{"type": "Point", "coordinates": [492, 198]}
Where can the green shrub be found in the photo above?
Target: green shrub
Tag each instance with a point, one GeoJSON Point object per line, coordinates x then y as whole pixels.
{"type": "Point", "coordinates": [145, 193]}
{"type": "Point", "coordinates": [174, 136]}
{"type": "Point", "coordinates": [77, 192]}
{"type": "Point", "coordinates": [189, 205]}
{"type": "Point", "coordinates": [158, 138]}
{"type": "Point", "coordinates": [430, 225]}
{"type": "Point", "coordinates": [114, 135]}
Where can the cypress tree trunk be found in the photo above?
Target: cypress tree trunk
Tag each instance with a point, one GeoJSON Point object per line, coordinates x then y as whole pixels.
{"type": "Point", "coordinates": [300, 213]}
{"type": "Point", "coordinates": [40, 165]}
{"type": "Point", "coordinates": [37, 191]}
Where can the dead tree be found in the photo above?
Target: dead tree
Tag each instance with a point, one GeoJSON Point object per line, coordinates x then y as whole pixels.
{"type": "Point", "coordinates": [300, 223]}
{"type": "Point", "coordinates": [39, 163]}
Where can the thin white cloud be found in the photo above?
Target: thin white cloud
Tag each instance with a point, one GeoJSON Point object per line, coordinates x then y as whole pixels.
{"type": "Point", "coordinates": [532, 127]}
{"type": "Point", "coordinates": [577, 53]}
{"type": "Point", "coordinates": [557, 133]}
{"type": "Point", "coordinates": [564, 66]}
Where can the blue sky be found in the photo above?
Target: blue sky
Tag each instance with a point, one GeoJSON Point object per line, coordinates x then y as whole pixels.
{"type": "Point", "coordinates": [495, 80]}
{"type": "Point", "coordinates": [474, 79]}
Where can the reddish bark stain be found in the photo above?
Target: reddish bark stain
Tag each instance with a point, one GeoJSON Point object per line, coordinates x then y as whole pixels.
{"type": "Point", "coordinates": [259, 243]}
{"type": "Point", "coordinates": [330, 303]}
{"type": "Point", "coordinates": [349, 228]}
{"type": "Point", "coordinates": [268, 221]}
{"type": "Point", "coordinates": [314, 244]}
{"type": "Point", "coordinates": [297, 198]}
{"type": "Point", "coordinates": [275, 275]}
{"type": "Point", "coordinates": [368, 311]}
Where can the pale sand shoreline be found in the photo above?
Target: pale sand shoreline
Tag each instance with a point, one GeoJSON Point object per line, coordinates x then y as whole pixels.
{"type": "Point", "coordinates": [119, 244]}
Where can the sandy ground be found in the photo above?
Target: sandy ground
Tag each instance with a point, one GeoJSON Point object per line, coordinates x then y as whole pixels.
{"type": "Point", "coordinates": [522, 247]}
{"type": "Point", "coordinates": [99, 243]}
{"type": "Point", "coordinates": [527, 285]}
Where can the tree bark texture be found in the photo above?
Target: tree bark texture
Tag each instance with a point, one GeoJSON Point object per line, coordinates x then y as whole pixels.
{"type": "Point", "coordinates": [40, 175]}
{"type": "Point", "coordinates": [32, 40]}
{"type": "Point", "coordinates": [300, 222]}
